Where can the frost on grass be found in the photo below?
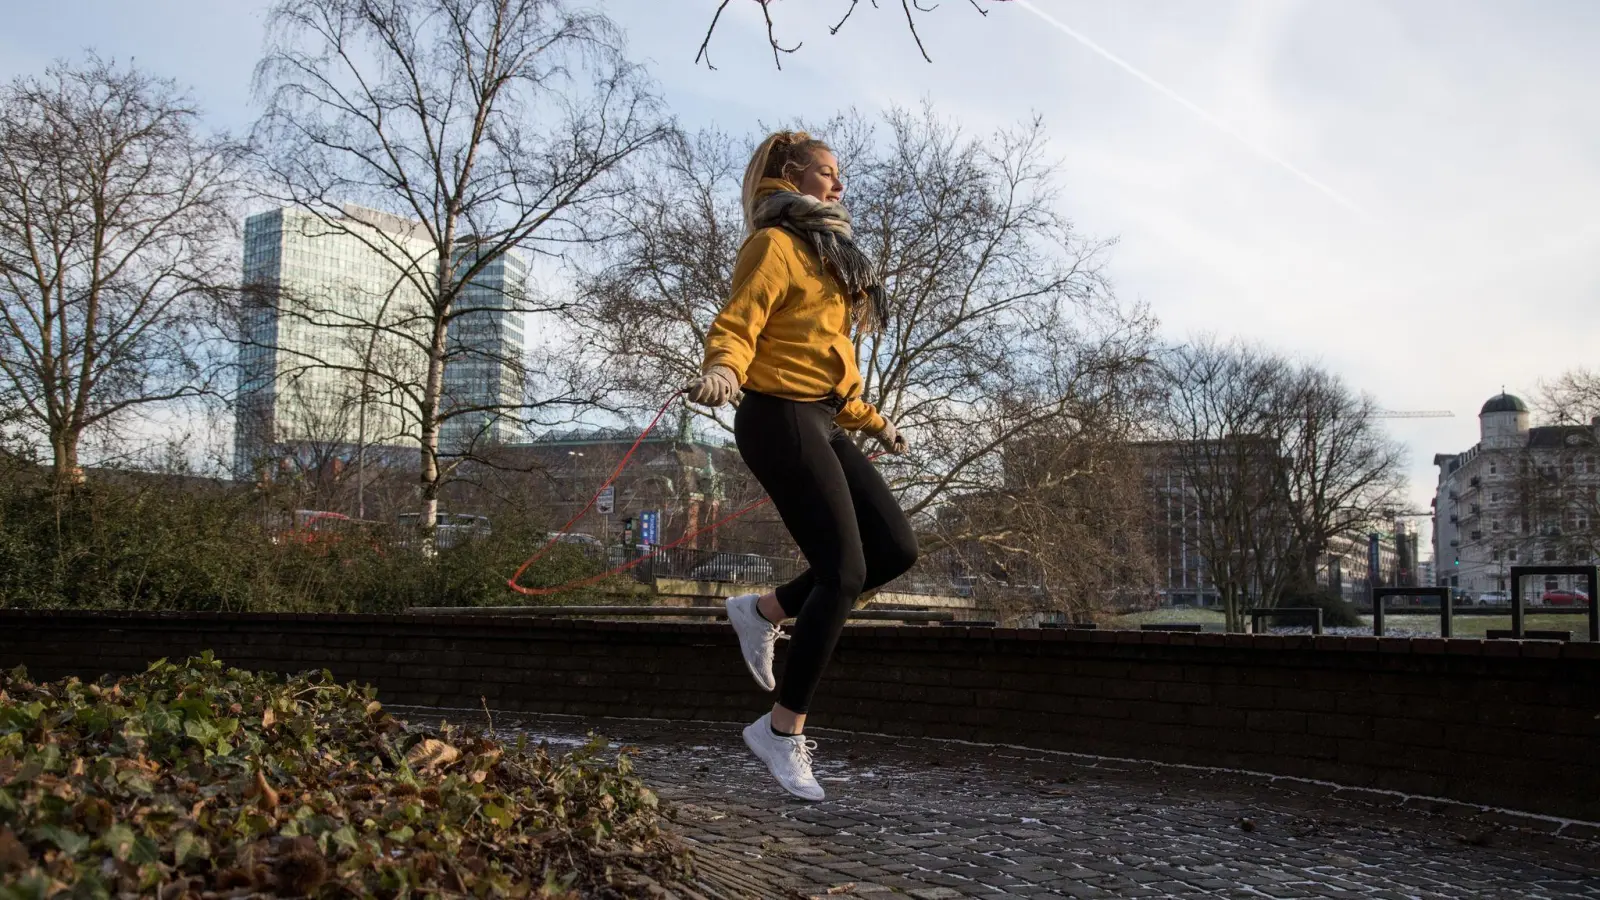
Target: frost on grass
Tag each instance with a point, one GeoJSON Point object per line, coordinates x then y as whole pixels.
{"type": "Point", "coordinates": [196, 780]}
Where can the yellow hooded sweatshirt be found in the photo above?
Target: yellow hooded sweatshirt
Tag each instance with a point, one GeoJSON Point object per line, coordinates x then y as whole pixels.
{"type": "Point", "coordinates": [785, 329]}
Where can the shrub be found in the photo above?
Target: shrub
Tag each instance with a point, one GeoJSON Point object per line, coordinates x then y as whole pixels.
{"type": "Point", "coordinates": [152, 542]}
{"type": "Point", "coordinates": [194, 778]}
{"type": "Point", "coordinates": [1336, 612]}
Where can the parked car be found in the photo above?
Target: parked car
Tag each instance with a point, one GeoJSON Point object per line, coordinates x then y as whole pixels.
{"type": "Point", "coordinates": [734, 567]}
{"type": "Point", "coordinates": [1494, 598]}
{"type": "Point", "coordinates": [450, 529]}
{"type": "Point", "coordinates": [588, 543]}
{"type": "Point", "coordinates": [311, 526]}
{"type": "Point", "coordinates": [324, 531]}
{"type": "Point", "coordinates": [1565, 598]}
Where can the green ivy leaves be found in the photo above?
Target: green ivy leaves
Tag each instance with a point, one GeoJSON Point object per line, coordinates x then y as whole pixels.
{"type": "Point", "coordinates": [195, 777]}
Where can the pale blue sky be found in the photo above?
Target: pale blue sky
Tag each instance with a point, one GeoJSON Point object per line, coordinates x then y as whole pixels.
{"type": "Point", "coordinates": [1436, 238]}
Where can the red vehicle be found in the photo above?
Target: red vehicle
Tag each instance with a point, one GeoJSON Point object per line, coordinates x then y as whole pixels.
{"type": "Point", "coordinates": [1565, 598]}
{"type": "Point", "coordinates": [324, 530]}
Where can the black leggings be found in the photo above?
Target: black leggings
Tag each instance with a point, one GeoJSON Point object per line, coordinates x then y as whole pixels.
{"type": "Point", "coordinates": [839, 511]}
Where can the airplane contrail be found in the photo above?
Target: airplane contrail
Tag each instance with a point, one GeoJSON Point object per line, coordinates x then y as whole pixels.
{"type": "Point", "coordinates": [1184, 102]}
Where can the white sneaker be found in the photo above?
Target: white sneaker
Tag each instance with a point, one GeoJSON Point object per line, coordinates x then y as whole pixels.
{"type": "Point", "coordinates": [757, 638]}
{"type": "Point", "coordinates": [787, 758]}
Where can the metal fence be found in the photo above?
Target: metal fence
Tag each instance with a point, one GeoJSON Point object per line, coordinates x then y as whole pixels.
{"type": "Point", "coordinates": [751, 568]}
{"type": "Point", "coordinates": [720, 565]}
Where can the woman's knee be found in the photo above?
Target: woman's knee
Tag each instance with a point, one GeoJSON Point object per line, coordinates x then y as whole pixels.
{"type": "Point", "coordinates": [848, 575]}
{"type": "Point", "coordinates": [901, 555]}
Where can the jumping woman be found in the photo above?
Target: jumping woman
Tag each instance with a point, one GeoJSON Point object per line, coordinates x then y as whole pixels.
{"type": "Point", "coordinates": [799, 286]}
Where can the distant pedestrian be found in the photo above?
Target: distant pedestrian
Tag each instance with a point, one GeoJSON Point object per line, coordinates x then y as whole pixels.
{"type": "Point", "coordinates": [799, 286]}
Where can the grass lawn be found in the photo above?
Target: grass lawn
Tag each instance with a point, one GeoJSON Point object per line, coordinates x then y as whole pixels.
{"type": "Point", "coordinates": [1168, 615]}
{"type": "Point", "coordinates": [1478, 626]}
{"type": "Point", "coordinates": [1465, 626]}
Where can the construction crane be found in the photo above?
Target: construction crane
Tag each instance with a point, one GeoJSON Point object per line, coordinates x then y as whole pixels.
{"type": "Point", "coordinates": [1413, 414]}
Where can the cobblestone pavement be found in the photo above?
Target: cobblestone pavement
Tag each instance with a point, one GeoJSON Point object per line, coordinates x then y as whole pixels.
{"type": "Point", "coordinates": [934, 820]}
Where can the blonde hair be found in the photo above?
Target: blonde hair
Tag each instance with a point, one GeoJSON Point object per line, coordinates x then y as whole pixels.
{"type": "Point", "coordinates": [782, 153]}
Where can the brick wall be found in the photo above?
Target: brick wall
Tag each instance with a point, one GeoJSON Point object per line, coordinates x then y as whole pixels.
{"type": "Point", "coordinates": [1513, 724]}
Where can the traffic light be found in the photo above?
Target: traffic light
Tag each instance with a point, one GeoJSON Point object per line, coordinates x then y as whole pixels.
{"type": "Point", "coordinates": [1458, 559]}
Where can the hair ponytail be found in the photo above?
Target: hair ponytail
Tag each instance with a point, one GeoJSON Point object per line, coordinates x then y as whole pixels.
{"type": "Point", "coordinates": [752, 178]}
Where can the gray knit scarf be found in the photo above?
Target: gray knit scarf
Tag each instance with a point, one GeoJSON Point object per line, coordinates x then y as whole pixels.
{"type": "Point", "coordinates": [826, 227]}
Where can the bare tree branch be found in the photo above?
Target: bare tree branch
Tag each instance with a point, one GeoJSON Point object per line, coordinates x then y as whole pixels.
{"type": "Point", "coordinates": [835, 28]}
{"type": "Point", "coordinates": [911, 23]}
{"type": "Point", "coordinates": [705, 45]}
{"type": "Point", "coordinates": [908, 7]}
{"type": "Point", "coordinates": [766, 11]}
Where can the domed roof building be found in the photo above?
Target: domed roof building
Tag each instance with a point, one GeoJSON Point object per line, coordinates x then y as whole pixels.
{"type": "Point", "coordinates": [1502, 403]}
{"type": "Point", "coordinates": [1522, 495]}
{"type": "Point", "coordinates": [1503, 422]}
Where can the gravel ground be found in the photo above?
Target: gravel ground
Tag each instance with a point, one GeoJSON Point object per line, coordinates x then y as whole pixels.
{"type": "Point", "coordinates": [936, 820]}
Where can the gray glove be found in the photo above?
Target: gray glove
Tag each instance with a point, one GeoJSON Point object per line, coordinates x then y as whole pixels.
{"type": "Point", "coordinates": [891, 439]}
{"type": "Point", "coordinates": [714, 388]}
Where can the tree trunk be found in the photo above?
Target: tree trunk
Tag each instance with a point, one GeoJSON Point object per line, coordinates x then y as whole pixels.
{"type": "Point", "coordinates": [64, 450]}
{"type": "Point", "coordinates": [1232, 621]}
{"type": "Point", "coordinates": [432, 391]}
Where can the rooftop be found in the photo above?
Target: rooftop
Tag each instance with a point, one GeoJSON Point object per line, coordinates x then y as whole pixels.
{"type": "Point", "coordinates": [1503, 403]}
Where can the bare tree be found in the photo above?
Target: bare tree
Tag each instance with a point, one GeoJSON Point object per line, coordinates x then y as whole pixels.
{"type": "Point", "coordinates": [1001, 327]}
{"type": "Point", "coordinates": [1344, 472]}
{"type": "Point", "coordinates": [909, 8]}
{"type": "Point", "coordinates": [115, 210]}
{"type": "Point", "coordinates": [1555, 513]}
{"type": "Point", "coordinates": [467, 129]}
{"type": "Point", "coordinates": [1222, 436]}
{"type": "Point", "coordinates": [1065, 531]}
{"type": "Point", "coordinates": [1572, 398]}
{"type": "Point", "coordinates": [1279, 460]}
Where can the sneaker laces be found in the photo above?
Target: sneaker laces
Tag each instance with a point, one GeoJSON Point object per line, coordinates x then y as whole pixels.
{"type": "Point", "coordinates": [802, 750]}
{"type": "Point", "coordinates": [774, 632]}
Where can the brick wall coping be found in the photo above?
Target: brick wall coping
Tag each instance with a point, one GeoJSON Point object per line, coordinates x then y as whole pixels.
{"type": "Point", "coordinates": [515, 627]}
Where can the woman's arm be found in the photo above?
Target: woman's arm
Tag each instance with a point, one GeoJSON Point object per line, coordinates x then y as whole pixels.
{"type": "Point", "coordinates": [859, 415]}
{"type": "Point", "coordinates": [760, 279]}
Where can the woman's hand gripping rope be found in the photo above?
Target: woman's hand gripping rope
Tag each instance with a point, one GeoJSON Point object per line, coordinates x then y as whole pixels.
{"type": "Point", "coordinates": [716, 387]}
{"type": "Point", "coordinates": [891, 440]}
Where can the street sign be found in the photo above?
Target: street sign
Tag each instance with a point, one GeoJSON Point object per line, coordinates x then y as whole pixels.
{"type": "Point", "coordinates": [606, 504]}
{"type": "Point", "coordinates": [649, 527]}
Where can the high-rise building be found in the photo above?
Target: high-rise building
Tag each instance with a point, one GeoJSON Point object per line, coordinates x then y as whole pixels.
{"type": "Point", "coordinates": [483, 375]}
{"type": "Point", "coordinates": [331, 348]}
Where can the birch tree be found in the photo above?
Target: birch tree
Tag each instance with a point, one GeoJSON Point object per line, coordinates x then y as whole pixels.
{"type": "Point", "coordinates": [480, 127]}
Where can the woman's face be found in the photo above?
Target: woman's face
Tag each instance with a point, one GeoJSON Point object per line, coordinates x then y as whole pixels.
{"type": "Point", "coordinates": [821, 178]}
